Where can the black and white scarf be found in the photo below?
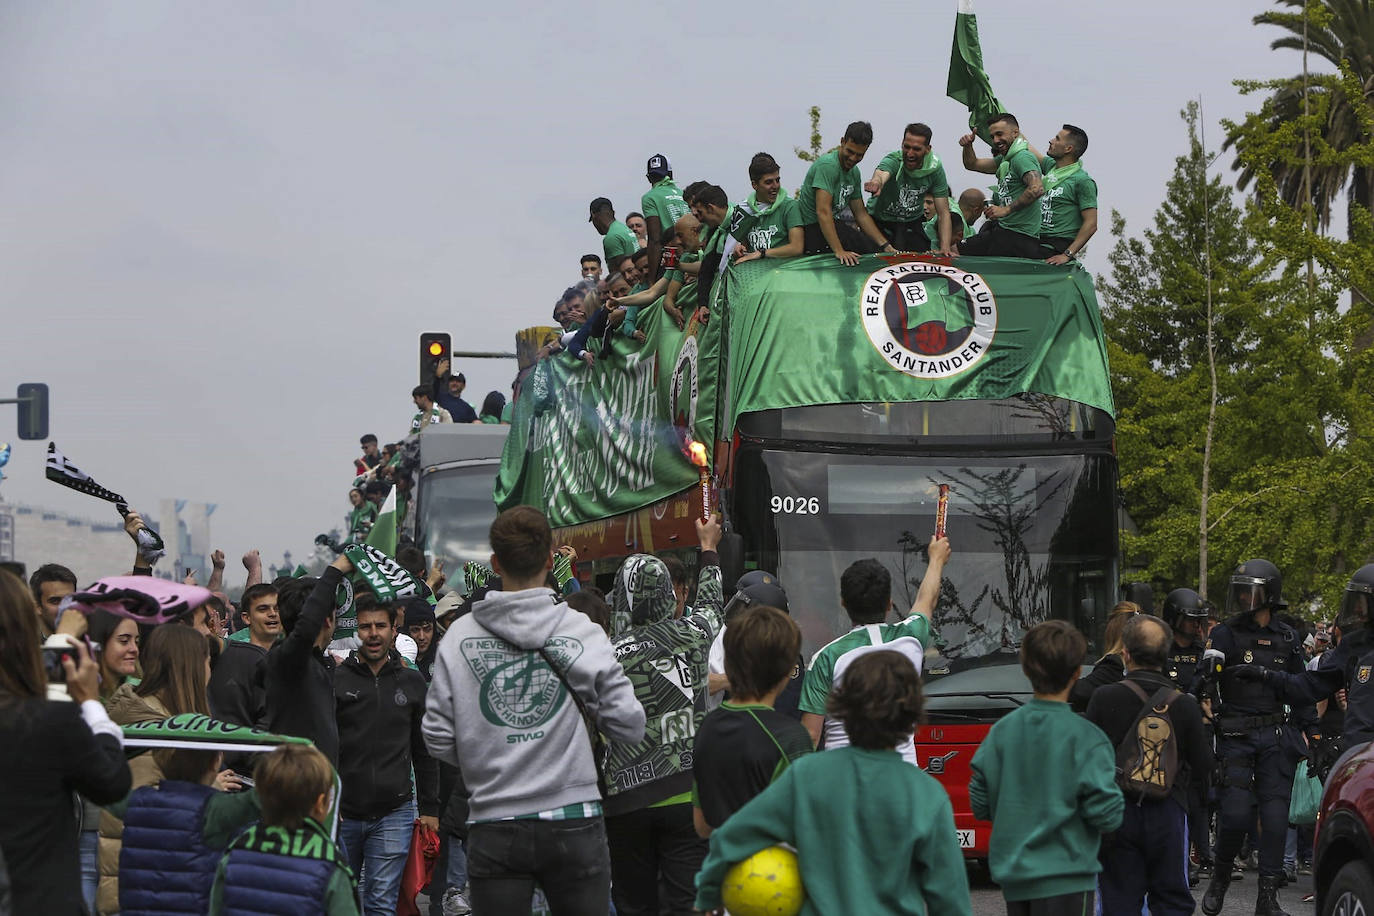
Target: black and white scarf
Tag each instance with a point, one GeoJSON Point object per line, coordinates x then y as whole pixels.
{"type": "Point", "coordinates": [60, 470]}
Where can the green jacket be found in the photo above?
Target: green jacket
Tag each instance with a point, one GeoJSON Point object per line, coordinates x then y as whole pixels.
{"type": "Point", "coordinates": [1046, 778]}
{"type": "Point", "coordinates": [873, 834]}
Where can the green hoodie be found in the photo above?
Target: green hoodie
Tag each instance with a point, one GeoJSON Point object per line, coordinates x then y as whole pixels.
{"type": "Point", "coordinates": [1046, 778]}
{"type": "Point", "coordinates": [873, 834]}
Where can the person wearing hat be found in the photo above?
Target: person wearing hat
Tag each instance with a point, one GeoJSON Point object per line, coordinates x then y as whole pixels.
{"type": "Point", "coordinates": [421, 627]}
{"type": "Point", "coordinates": [617, 241]}
{"type": "Point", "coordinates": [663, 206]}
{"type": "Point", "coordinates": [756, 587]}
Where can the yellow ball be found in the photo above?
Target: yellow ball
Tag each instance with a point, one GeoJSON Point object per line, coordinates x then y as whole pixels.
{"type": "Point", "coordinates": [768, 883]}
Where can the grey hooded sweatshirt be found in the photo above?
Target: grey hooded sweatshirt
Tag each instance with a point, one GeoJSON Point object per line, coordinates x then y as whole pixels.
{"type": "Point", "coordinates": [496, 710]}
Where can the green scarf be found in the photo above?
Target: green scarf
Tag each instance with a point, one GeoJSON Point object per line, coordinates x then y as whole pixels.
{"type": "Point", "coordinates": [1060, 173]}
{"type": "Point", "coordinates": [1004, 162]}
{"type": "Point", "coordinates": [931, 164]}
{"type": "Point", "coordinates": [752, 206]}
{"type": "Point", "coordinates": [383, 575]}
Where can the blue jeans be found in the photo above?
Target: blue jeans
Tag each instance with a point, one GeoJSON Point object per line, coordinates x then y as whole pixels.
{"type": "Point", "coordinates": [457, 865]}
{"type": "Point", "coordinates": [377, 851]}
{"type": "Point", "coordinates": [90, 869]}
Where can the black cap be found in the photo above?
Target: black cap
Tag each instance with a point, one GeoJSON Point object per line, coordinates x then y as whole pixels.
{"type": "Point", "coordinates": [658, 165]}
{"type": "Point", "coordinates": [601, 203]}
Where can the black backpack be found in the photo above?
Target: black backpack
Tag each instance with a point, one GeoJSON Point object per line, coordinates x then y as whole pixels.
{"type": "Point", "coordinates": [1147, 760]}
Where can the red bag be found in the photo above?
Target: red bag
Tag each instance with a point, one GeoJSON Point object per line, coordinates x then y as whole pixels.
{"type": "Point", "coordinates": [424, 850]}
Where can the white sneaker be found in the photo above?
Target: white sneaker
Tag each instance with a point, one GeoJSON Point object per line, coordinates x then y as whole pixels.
{"type": "Point", "coordinates": [455, 902]}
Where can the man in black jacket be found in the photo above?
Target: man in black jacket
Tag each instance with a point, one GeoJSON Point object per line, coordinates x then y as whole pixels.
{"type": "Point", "coordinates": [297, 676]}
{"type": "Point", "coordinates": [380, 704]}
{"type": "Point", "coordinates": [1149, 854]}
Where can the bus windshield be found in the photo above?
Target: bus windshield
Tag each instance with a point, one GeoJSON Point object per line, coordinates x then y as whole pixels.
{"type": "Point", "coordinates": [1034, 538]}
{"type": "Point", "coordinates": [456, 512]}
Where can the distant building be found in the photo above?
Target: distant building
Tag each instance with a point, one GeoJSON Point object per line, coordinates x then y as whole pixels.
{"type": "Point", "coordinates": [33, 535]}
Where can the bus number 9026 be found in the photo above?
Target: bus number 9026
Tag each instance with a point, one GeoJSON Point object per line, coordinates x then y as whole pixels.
{"type": "Point", "coordinates": [796, 505]}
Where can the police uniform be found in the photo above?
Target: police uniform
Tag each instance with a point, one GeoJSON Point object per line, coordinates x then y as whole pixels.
{"type": "Point", "coordinates": [1258, 744]}
{"type": "Point", "coordinates": [1182, 663]}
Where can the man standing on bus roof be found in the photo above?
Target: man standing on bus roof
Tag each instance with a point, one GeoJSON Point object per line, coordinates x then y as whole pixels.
{"type": "Point", "coordinates": [617, 241]}
{"type": "Point", "coordinates": [866, 594]}
{"type": "Point", "coordinates": [663, 206]}
{"type": "Point", "coordinates": [1016, 233]}
{"type": "Point", "coordinates": [899, 186]}
{"type": "Point", "coordinates": [832, 184]}
{"type": "Point", "coordinates": [1068, 211]}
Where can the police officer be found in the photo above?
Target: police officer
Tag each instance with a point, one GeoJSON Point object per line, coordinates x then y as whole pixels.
{"type": "Point", "coordinates": [1186, 612]}
{"type": "Point", "coordinates": [1349, 665]}
{"type": "Point", "coordinates": [1258, 746]}
{"type": "Point", "coordinates": [756, 587]}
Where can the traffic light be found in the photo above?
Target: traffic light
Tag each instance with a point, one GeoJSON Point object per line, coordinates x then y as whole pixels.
{"type": "Point", "coordinates": [33, 410]}
{"type": "Point", "coordinates": [434, 346]}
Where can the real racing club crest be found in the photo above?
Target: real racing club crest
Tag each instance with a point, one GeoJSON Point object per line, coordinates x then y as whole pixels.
{"type": "Point", "coordinates": [928, 320]}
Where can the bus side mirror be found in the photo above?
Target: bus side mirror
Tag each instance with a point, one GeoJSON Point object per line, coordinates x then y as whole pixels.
{"type": "Point", "coordinates": [731, 552]}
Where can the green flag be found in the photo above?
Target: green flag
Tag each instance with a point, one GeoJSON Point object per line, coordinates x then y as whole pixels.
{"type": "Point", "coordinates": [383, 533]}
{"type": "Point", "coordinates": [968, 81]}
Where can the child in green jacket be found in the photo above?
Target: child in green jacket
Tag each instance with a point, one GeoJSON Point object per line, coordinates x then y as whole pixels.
{"type": "Point", "coordinates": [1046, 778]}
{"type": "Point", "coordinates": [873, 833]}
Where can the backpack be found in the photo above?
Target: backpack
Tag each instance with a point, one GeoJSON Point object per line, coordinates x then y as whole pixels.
{"type": "Point", "coordinates": [1147, 759]}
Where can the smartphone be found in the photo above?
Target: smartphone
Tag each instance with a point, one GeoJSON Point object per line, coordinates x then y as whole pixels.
{"type": "Point", "coordinates": [245, 781]}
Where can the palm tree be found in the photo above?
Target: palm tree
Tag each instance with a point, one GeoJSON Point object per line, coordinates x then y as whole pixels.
{"type": "Point", "coordinates": [1346, 36]}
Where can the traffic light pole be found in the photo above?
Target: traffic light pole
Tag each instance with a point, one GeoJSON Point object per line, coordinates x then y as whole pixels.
{"type": "Point", "coordinates": [481, 354]}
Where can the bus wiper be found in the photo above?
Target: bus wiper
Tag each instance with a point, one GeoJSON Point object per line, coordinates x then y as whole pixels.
{"type": "Point", "coordinates": [1016, 698]}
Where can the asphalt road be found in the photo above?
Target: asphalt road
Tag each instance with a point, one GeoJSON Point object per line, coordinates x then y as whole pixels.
{"type": "Point", "coordinates": [1240, 899]}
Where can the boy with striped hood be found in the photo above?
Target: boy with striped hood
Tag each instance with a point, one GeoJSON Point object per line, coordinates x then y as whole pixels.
{"type": "Point", "coordinates": [648, 802]}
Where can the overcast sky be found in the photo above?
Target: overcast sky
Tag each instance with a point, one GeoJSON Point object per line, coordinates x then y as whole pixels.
{"type": "Point", "coordinates": [223, 226]}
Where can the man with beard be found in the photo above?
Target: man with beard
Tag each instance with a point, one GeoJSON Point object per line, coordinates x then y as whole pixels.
{"type": "Point", "coordinates": [1015, 232]}
{"type": "Point", "coordinates": [900, 184]}
{"type": "Point", "coordinates": [1068, 211]}
{"type": "Point", "coordinates": [380, 705]}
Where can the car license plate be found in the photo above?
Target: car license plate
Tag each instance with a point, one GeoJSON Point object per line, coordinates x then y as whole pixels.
{"type": "Point", "coordinates": [965, 839]}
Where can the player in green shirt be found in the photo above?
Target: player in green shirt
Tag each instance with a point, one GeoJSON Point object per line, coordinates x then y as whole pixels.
{"type": "Point", "coordinates": [1019, 186]}
{"type": "Point", "coordinates": [663, 206]}
{"type": "Point", "coordinates": [900, 183]}
{"type": "Point", "coordinates": [1068, 211]}
{"type": "Point", "coordinates": [768, 224]}
{"type": "Point", "coordinates": [866, 594]}
{"type": "Point", "coordinates": [832, 184]}
{"type": "Point", "coordinates": [617, 241]}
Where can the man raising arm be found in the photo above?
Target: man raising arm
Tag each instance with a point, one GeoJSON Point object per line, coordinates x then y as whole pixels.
{"type": "Point", "coordinates": [1016, 233]}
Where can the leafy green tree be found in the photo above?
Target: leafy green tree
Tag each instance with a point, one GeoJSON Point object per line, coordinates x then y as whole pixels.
{"type": "Point", "coordinates": [1241, 427]}
{"type": "Point", "coordinates": [817, 142]}
{"type": "Point", "coordinates": [1341, 34]}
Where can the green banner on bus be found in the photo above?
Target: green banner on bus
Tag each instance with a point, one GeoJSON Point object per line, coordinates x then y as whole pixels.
{"type": "Point", "coordinates": [812, 331]}
{"type": "Point", "coordinates": [591, 442]}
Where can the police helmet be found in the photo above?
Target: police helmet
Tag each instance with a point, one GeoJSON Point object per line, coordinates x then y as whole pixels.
{"type": "Point", "coordinates": [1357, 604]}
{"type": "Point", "coordinates": [756, 587]}
{"type": "Point", "coordinates": [1255, 585]}
{"type": "Point", "coordinates": [1185, 604]}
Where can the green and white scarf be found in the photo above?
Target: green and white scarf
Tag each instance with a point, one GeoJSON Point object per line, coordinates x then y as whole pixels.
{"type": "Point", "coordinates": [1004, 162]}
{"type": "Point", "coordinates": [1061, 173]}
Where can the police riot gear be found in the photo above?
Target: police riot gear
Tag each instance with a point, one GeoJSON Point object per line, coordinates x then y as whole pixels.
{"type": "Point", "coordinates": [1186, 612]}
{"type": "Point", "coordinates": [1255, 584]}
{"type": "Point", "coordinates": [1357, 604]}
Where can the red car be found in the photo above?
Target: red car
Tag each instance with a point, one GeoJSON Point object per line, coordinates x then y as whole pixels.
{"type": "Point", "coordinates": [1344, 867]}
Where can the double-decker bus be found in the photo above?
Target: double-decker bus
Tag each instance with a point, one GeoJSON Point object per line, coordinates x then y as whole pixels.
{"type": "Point", "coordinates": [837, 400]}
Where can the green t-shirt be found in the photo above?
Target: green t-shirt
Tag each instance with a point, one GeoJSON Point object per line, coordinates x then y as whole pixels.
{"type": "Point", "coordinates": [825, 173]}
{"type": "Point", "coordinates": [761, 228]}
{"type": "Point", "coordinates": [618, 242]}
{"type": "Point", "coordinates": [663, 200]}
{"type": "Point", "coordinates": [903, 195]}
{"type": "Point", "coordinates": [1011, 184]}
{"type": "Point", "coordinates": [1068, 192]}
{"type": "Point", "coordinates": [956, 219]}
